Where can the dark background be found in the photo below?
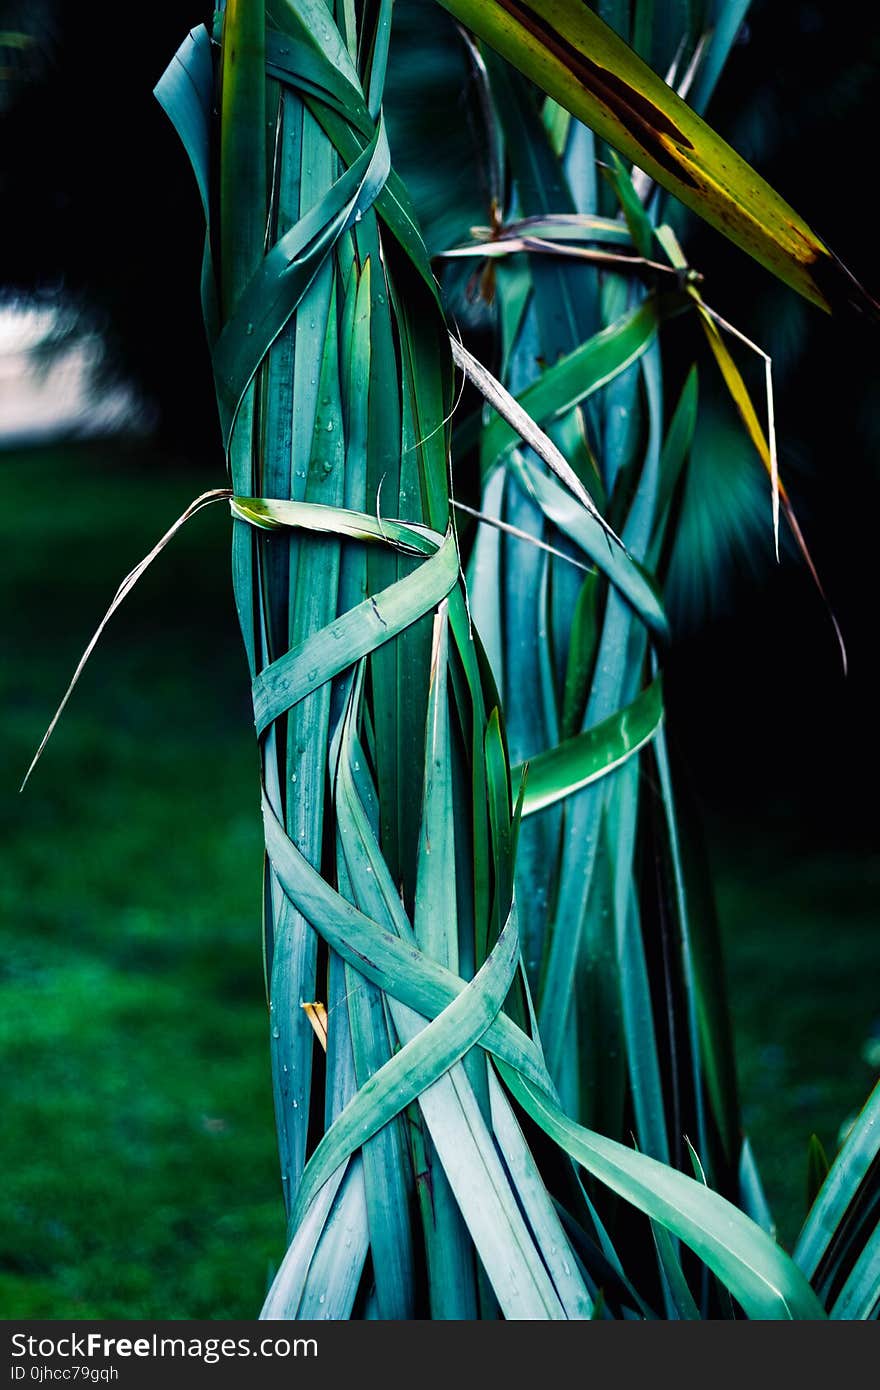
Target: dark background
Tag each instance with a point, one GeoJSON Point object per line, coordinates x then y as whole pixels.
{"type": "Point", "coordinates": [138, 1148]}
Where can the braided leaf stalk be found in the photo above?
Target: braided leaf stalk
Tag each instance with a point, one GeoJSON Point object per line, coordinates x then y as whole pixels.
{"type": "Point", "coordinates": [416, 1182]}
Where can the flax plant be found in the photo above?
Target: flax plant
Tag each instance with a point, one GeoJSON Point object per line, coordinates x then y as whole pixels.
{"type": "Point", "coordinates": [473, 998]}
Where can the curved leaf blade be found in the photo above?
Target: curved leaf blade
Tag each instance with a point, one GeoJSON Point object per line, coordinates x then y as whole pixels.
{"type": "Point", "coordinates": [758, 1272]}
{"type": "Point", "coordinates": [850, 1173]}
{"type": "Point", "coordinates": [578, 761]}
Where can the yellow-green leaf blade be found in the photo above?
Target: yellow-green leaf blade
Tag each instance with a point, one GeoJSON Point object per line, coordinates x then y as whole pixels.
{"type": "Point", "coordinates": [579, 61]}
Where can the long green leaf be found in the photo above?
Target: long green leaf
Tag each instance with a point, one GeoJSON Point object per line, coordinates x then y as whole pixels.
{"type": "Point", "coordinates": [611, 558]}
{"type": "Point", "coordinates": [860, 1295]}
{"type": "Point", "coordinates": [453, 1291]}
{"type": "Point", "coordinates": [576, 376]}
{"type": "Point", "coordinates": [577, 761]}
{"type": "Point", "coordinates": [853, 1176]}
{"type": "Point", "coordinates": [757, 1271]}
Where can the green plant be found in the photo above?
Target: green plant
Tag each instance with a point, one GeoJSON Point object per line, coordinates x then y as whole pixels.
{"type": "Point", "coordinates": [447, 1144]}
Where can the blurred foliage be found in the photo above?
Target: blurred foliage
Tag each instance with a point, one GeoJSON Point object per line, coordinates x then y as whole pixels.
{"type": "Point", "coordinates": [137, 1142]}
{"type": "Point", "coordinates": [724, 528]}
{"type": "Point", "coordinates": [803, 1003]}
{"type": "Point", "coordinates": [28, 42]}
{"type": "Point", "coordinates": [433, 102]}
{"type": "Point", "coordinates": [101, 218]}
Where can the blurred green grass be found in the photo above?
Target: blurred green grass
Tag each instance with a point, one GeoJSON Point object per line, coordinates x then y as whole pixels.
{"type": "Point", "coordinates": [800, 928]}
{"type": "Point", "coordinates": [137, 1141]}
